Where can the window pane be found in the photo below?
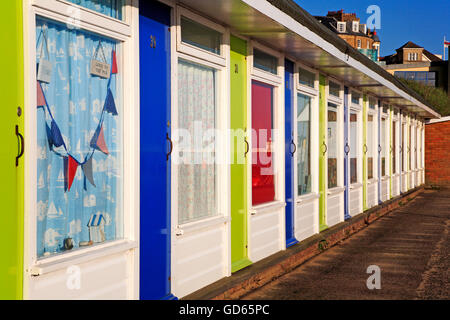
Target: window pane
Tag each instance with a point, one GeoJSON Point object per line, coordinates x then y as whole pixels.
{"type": "Point", "coordinates": [370, 149]}
{"type": "Point", "coordinates": [335, 89]}
{"type": "Point", "coordinates": [306, 78]}
{"type": "Point", "coordinates": [264, 61]}
{"type": "Point", "coordinates": [263, 183]}
{"type": "Point", "coordinates": [383, 147]}
{"type": "Point", "coordinates": [304, 144]}
{"type": "Point", "coordinates": [394, 148]}
{"type": "Point", "coordinates": [111, 8]}
{"type": "Point", "coordinates": [355, 98]}
{"type": "Point", "coordinates": [353, 147]}
{"type": "Point", "coordinates": [200, 36]}
{"type": "Point", "coordinates": [372, 104]}
{"type": "Point", "coordinates": [79, 141]}
{"type": "Point", "coordinates": [332, 146]}
{"type": "Point", "coordinates": [197, 173]}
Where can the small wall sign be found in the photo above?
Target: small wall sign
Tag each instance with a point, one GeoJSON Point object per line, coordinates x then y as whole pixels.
{"type": "Point", "coordinates": [100, 69]}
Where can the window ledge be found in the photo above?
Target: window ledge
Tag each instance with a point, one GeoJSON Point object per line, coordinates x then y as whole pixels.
{"type": "Point", "coordinates": [199, 225]}
{"type": "Point", "coordinates": [82, 256]}
{"type": "Point", "coordinates": [334, 191]}
{"type": "Point", "coordinates": [356, 186]}
{"type": "Point", "coordinates": [307, 198]}
{"type": "Point", "coordinates": [385, 178]}
{"type": "Point", "coordinates": [267, 207]}
{"type": "Point", "coordinates": [372, 181]}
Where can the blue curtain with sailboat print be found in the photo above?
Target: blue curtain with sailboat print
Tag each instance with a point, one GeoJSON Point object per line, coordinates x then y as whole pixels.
{"type": "Point", "coordinates": [112, 8]}
{"type": "Point", "coordinates": [79, 144]}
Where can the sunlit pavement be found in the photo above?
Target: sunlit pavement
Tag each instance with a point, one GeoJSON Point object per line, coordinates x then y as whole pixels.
{"type": "Point", "coordinates": [410, 245]}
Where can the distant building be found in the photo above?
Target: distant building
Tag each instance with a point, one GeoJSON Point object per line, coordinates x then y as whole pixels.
{"type": "Point", "coordinates": [414, 62]}
{"type": "Point", "coordinates": [348, 27]}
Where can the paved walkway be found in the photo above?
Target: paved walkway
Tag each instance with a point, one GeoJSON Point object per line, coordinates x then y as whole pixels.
{"type": "Point", "coordinates": [410, 245]}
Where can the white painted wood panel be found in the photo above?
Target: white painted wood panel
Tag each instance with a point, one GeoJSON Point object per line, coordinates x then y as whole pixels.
{"type": "Point", "coordinates": [396, 185]}
{"type": "Point", "coordinates": [200, 259]}
{"type": "Point", "coordinates": [335, 208]}
{"type": "Point", "coordinates": [306, 219]}
{"type": "Point", "coordinates": [356, 201]}
{"type": "Point", "coordinates": [108, 278]}
{"type": "Point", "coordinates": [385, 190]}
{"type": "Point", "coordinates": [266, 233]}
{"type": "Point", "coordinates": [372, 194]}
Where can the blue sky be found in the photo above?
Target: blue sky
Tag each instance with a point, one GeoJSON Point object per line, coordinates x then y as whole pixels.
{"type": "Point", "coordinates": [423, 22]}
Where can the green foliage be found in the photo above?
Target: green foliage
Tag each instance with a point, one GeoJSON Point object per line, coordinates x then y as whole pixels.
{"type": "Point", "coordinates": [436, 97]}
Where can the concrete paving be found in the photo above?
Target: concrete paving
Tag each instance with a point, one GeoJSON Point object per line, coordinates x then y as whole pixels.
{"type": "Point", "coordinates": [411, 246]}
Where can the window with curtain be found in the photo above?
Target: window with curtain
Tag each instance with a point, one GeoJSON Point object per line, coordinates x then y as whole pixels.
{"type": "Point", "coordinates": [353, 147]}
{"type": "Point", "coordinates": [263, 182]}
{"type": "Point", "coordinates": [370, 146]}
{"type": "Point", "coordinates": [197, 171]}
{"type": "Point", "coordinates": [383, 147]}
{"type": "Point", "coordinates": [332, 146]}
{"type": "Point", "coordinates": [355, 98]}
{"type": "Point", "coordinates": [304, 144]}
{"type": "Point", "coordinates": [334, 89]}
{"type": "Point", "coordinates": [111, 8]}
{"type": "Point", "coordinates": [79, 140]}
{"type": "Point", "coordinates": [265, 62]}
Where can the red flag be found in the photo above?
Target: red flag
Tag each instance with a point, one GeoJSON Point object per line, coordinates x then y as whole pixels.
{"type": "Point", "coordinates": [71, 167]}
{"type": "Point", "coordinates": [40, 96]}
{"type": "Point", "coordinates": [114, 63]}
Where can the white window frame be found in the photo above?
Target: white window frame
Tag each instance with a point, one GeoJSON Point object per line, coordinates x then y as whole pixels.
{"type": "Point", "coordinates": [61, 12]}
{"type": "Point", "coordinates": [396, 124]}
{"type": "Point", "coordinates": [339, 102]}
{"type": "Point", "coordinates": [358, 108]}
{"type": "Point", "coordinates": [312, 93]}
{"type": "Point", "coordinates": [196, 52]}
{"type": "Point", "coordinates": [221, 64]}
{"type": "Point", "coordinates": [277, 82]}
{"type": "Point", "coordinates": [355, 26]}
{"type": "Point", "coordinates": [359, 43]}
{"type": "Point", "coordinates": [374, 113]}
{"type": "Point", "coordinates": [341, 27]}
{"type": "Point", "coordinates": [387, 144]}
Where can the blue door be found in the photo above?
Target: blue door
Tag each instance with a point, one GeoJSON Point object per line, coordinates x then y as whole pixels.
{"type": "Point", "coordinates": [290, 151]}
{"type": "Point", "coordinates": [154, 23]}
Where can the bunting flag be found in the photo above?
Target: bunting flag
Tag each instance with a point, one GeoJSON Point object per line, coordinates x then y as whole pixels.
{"type": "Point", "coordinates": [114, 63]}
{"type": "Point", "coordinates": [40, 96]}
{"type": "Point", "coordinates": [56, 136]}
{"type": "Point", "coordinates": [70, 170]}
{"type": "Point", "coordinates": [49, 136]}
{"type": "Point", "coordinates": [110, 105]}
{"type": "Point", "coordinates": [98, 141]}
{"type": "Point", "coordinates": [88, 172]}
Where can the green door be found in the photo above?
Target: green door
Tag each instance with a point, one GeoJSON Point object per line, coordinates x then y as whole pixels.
{"type": "Point", "coordinates": [323, 175]}
{"type": "Point", "coordinates": [239, 148]}
{"type": "Point", "coordinates": [11, 176]}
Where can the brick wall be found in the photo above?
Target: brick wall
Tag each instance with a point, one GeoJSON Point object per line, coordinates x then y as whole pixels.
{"type": "Point", "coordinates": [437, 153]}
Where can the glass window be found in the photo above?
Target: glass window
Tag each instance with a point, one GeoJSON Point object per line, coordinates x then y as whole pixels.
{"type": "Point", "coordinates": [111, 8]}
{"type": "Point", "coordinates": [370, 144]}
{"type": "Point", "coordinates": [197, 173]}
{"type": "Point", "coordinates": [332, 146]}
{"type": "Point", "coordinates": [383, 147]}
{"type": "Point", "coordinates": [264, 61]}
{"type": "Point", "coordinates": [200, 36]}
{"type": "Point", "coordinates": [263, 183]}
{"type": "Point", "coordinates": [304, 144]}
{"type": "Point", "coordinates": [79, 139]}
{"type": "Point", "coordinates": [353, 147]}
{"type": "Point", "coordinates": [355, 98]}
{"type": "Point", "coordinates": [372, 104]}
{"type": "Point", "coordinates": [403, 147]}
{"type": "Point", "coordinates": [394, 148]}
{"type": "Point", "coordinates": [306, 78]}
{"type": "Point", "coordinates": [335, 89]}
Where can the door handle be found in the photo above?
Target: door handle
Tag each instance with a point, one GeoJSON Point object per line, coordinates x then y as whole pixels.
{"type": "Point", "coordinates": [380, 149]}
{"type": "Point", "coordinates": [326, 148]}
{"type": "Point", "coordinates": [295, 148]}
{"type": "Point", "coordinates": [21, 145]}
{"type": "Point", "coordinates": [171, 147]}
{"type": "Point", "coordinates": [366, 149]}
{"type": "Point", "coordinates": [247, 146]}
{"type": "Point", "coordinates": [347, 149]}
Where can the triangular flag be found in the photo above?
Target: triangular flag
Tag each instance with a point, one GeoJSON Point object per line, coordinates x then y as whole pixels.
{"type": "Point", "coordinates": [40, 96]}
{"type": "Point", "coordinates": [114, 63]}
{"type": "Point", "coordinates": [110, 105]}
{"type": "Point", "coordinates": [70, 170]}
{"type": "Point", "coordinates": [56, 135]}
{"type": "Point", "coordinates": [88, 173]}
{"type": "Point", "coordinates": [98, 141]}
{"type": "Point", "coordinates": [49, 136]}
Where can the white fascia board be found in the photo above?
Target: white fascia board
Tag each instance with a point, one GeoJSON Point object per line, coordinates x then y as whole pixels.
{"type": "Point", "coordinates": [290, 23]}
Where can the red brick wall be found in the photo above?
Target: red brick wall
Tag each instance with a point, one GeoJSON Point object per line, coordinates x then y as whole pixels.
{"type": "Point", "coordinates": [437, 153]}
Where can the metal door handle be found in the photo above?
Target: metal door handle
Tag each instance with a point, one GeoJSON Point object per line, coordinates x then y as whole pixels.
{"type": "Point", "coordinates": [326, 148]}
{"type": "Point", "coordinates": [380, 149]}
{"type": "Point", "coordinates": [21, 145]}
{"type": "Point", "coordinates": [247, 146]}
{"type": "Point", "coordinates": [347, 149]}
{"type": "Point", "coordinates": [366, 149]}
{"type": "Point", "coordinates": [295, 148]}
{"type": "Point", "coordinates": [171, 147]}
